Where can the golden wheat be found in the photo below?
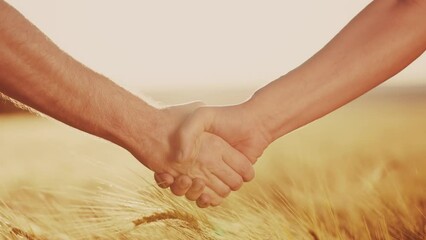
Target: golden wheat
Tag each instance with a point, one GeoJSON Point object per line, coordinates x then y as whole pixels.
{"type": "Point", "coordinates": [357, 174]}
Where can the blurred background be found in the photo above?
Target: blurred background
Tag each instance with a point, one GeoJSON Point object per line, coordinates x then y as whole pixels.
{"type": "Point", "coordinates": [178, 51]}
{"type": "Point", "coordinates": [357, 173]}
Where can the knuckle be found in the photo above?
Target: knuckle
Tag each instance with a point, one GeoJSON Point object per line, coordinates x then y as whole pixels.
{"type": "Point", "coordinates": [202, 202]}
{"type": "Point", "coordinates": [184, 182]}
{"type": "Point", "coordinates": [176, 191]}
{"type": "Point", "coordinates": [190, 197]}
{"type": "Point", "coordinates": [198, 185]}
{"type": "Point", "coordinates": [162, 181]}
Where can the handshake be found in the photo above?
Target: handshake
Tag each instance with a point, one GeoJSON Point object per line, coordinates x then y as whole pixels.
{"type": "Point", "coordinates": [202, 152]}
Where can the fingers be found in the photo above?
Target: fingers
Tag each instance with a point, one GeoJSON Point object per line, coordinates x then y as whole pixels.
{"type": "Point", "coordinates": [215, 200]}
{"type": "Point", "coordinates": [209, 198]}
{"type": "Point", "coordinates": [203, 201]}
{"type": "Point", "coordinates": [232, 167]}
{"type": "Point", "coordinates": [218, 186]}
{"type": "Point", "coordinates": [228, 176]}
{"type": "Point", "coordinates": [164, 180]}
{"type": "Point", "coordinates": [218, 160]}
{"type": "Point", "coordinates": [195, 190]}
{"type": "Point", "coordinates": [204, 197]}
{"type": "Point", "coordinates": [181, 185]}
{"type": "Point", "coordinates": [239, 163]}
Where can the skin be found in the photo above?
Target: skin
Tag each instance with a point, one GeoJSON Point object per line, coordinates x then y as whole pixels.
{"type": "Point", "coordinates": [377, 44]}
{"type": "Point", "coordinates": [34, 71]}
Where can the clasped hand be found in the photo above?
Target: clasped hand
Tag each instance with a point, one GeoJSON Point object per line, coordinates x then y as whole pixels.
{"type": "Point", "coordinates": [205, 153]}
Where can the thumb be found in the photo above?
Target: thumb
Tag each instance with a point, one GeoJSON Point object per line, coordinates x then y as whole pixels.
{"type": "Point", "coordinates": [191, 129]}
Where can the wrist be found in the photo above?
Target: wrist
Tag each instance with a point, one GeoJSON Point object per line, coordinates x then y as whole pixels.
{"type": "Point", "coordinates": [256, 117]}
{"type": "Point", "coordinates": [152, 135]}
{"type": "Point", "coordinates": [274, 119]}
{"type": "Point", "coordinates": [139, 128]}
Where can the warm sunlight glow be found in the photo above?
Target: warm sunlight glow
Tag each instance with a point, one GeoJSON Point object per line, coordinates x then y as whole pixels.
{"type": "Point", "coordinates": [171, 44]}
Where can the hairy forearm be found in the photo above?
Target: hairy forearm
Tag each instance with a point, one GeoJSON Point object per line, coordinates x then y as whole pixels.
{"type": "Point", "coordinates": [37, 73]}
{"type": "Point", "coordinates": [378, 43]}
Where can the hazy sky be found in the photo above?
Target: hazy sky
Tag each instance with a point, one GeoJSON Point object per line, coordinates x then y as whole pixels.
{"type": "Point", "coordinates": [160, 43]}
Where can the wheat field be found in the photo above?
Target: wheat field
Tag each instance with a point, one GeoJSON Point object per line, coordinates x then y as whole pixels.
{"type": "Point", "coordinates": [359, 173]}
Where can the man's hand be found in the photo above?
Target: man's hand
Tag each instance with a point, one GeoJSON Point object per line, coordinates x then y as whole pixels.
{"type": "Point", "coordinates": [347, 67]}
{"type": "Point", "coordinates": [36, 72]}
{"type": "Point", "coordinates": [237, 125]}
{"type": "Point", "coordinates": [181, 151]}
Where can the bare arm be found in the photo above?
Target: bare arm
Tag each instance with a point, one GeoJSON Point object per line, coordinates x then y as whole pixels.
{"type": "Point", "coordinates": [37, 73]}
{"type": "Point", "coordinates": [378, 43]}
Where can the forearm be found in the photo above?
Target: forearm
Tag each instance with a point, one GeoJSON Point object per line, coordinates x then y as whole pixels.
{"type": "Point", "coordinates": [378, 43]}
{"type": "Point", "coordinates": [37, 73]}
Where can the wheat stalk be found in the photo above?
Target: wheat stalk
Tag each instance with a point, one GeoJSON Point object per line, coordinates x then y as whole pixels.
{"type": "Point", "coordinates": [189, 219]}
{"type": "Point", "coordinates": [21, 233]}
